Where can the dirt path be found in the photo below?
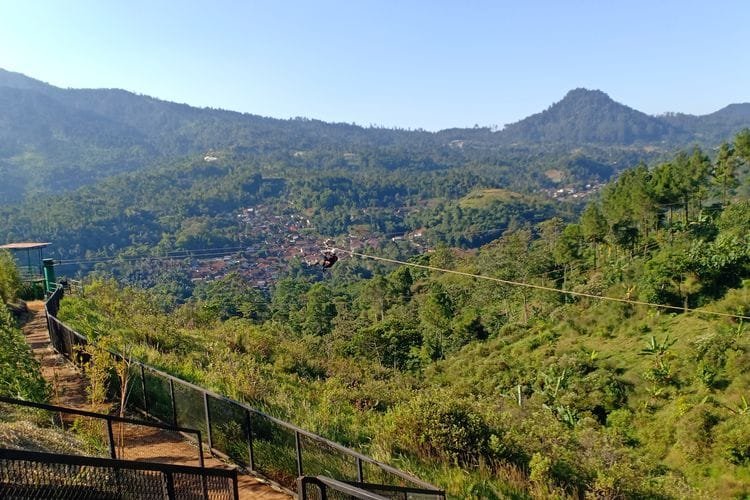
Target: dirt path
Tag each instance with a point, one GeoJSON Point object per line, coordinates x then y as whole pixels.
{"type": "Point", "coordinates": [153, 445]}
{"type": "Point", "coordinates": [69, 388]}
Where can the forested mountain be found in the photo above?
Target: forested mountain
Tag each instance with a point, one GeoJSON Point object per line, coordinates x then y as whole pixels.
{"type": "Point", "coordinates": [54, 139]}
{"type": "Point", "coordinates": [713, 127]}
{"type": "Point", "coordinates": [591, 116]}
{"type": "Point", "coordinates": [48, 146]}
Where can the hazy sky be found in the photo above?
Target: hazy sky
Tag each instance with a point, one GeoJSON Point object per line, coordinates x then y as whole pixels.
{"type": "Point", "coordinates": [413, 64]}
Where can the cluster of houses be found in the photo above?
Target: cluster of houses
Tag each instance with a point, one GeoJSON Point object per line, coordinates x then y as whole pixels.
{"type": "Point", "coordinates": [270, 241]}
{"type": "Point", "coordinates": [571, 193]}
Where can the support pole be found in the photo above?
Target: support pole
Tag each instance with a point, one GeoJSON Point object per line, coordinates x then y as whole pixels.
{"type": "Point", "coordinates": [209, 434]}
{"type": "Point", "coordinates": [298, 447]}
{"type": "Point", "coordinates": [111, 437]}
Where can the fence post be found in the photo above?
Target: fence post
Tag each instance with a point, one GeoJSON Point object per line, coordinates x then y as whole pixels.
{"type": "Point", "coordinates": [111, 436]}
{"type": "Point", "coordinates": [235, 486]}
{"type": "Point", "coordinates": [174, 402]}
{"type": "Point", "coordinates": [301, 488]}
{"type": "Point", "coordinates": [143, 387]}
{"type": "Point", "coordinates": [209, 435]}
{"type": "Point", "coordinates": [200, 449]}
{"type": "Point", "coordinates": [210, 442]}
{"type": "Point", "coordinates": [360, 475]}
{"type": "Point", "coordinates": [298, 446]}
{"type": "Point", "coordinates": [170, 486]}
{"type": "Point", "coordinates": [68, 345]}
{"type": "Point", "coordinates": [248, 424]}
{"type": "Point", "coordinates": [204, 485]}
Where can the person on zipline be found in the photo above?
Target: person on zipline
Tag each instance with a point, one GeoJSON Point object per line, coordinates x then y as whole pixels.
{"type": "Point", "coordinates": [329, 259]}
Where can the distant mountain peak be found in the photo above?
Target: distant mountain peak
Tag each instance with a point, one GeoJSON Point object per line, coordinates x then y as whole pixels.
{"type": "Point", "coordinates": [586, 116]}
{"type": "Point", "coordinates": [584, 92]}
{"type": "Point", "coordinates": [595, 98]}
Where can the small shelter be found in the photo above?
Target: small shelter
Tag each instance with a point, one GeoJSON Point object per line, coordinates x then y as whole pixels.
{"type": "Point", "coordinates": [30, 259]}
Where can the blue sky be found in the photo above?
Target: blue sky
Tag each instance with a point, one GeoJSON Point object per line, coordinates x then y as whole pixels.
{"type": "Point", "coordinates": [411, 64]}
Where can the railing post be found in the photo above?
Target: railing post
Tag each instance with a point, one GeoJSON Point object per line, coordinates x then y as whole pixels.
{"type": "Point", "coordinates": [235, 486]}
{"type": "Point", "coordinates": [200, 449]}
{"type": "Point", "coordinates": [209, 435]}
{"type": "Point", "coordinates": [204, 484]}
{"type": "Point", "coordinates": [111, 437]}
{"type": "Point", "coordinates": [323, 490]}
{"type": "Point", "coordinates": [301, 488]}
{"type": "Point", "coordinates": [170, 486]}
{"type": "Point", "coordinates": [250, 454]}
{"type": "Point", "coordinates": [143, 387]}
{"type": "Point", "coordinates": [360, 475]}
{"type": "Point", "coordinates": [298, 446]}
{"type": "Point", "coordinates": [68, 345]}
{"type": "Point", "coordinates": [174, 402]}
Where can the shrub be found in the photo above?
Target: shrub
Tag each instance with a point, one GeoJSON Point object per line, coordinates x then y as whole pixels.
{"type": "Point", "coordinates": [437, 426]}
{"type": "Point", "coordinates": [10, 282]}
{"type": "Point", "coordinates": [733, 440]}
{"type": "Point", "coordinates": [20, 375]}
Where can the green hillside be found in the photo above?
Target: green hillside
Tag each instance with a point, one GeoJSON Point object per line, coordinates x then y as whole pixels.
{"type": "Point", "coordinates": [482, 197]}
{"type": "Point", "coordinates": [499, 372]}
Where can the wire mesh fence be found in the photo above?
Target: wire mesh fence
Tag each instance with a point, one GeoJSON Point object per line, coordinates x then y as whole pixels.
{"type": "Point", "coordinates": [25, 475]}
{"type": "Point", "coordinates": [320, 459]}
{"type": "Point", "coordinates": [189, 407]}
{"type": "Point", "coordinates": [135, 388]}
{"type": "Point", "coordinates": [31, 428]}
{"type": "Point", "coordinates": [230, 430]}
{"type": "Point", "coordinates": [158, 397]}
{"type": "Point", "coordinates": [274, 450]}
{"type": "Point", "coordinates": [264, 444]}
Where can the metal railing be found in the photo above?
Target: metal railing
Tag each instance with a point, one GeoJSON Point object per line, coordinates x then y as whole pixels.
{"type": "Point", "coordinates": [265, 445]}
{"type": "Point", "coordinates": [71, 286]}
{"type": "Point", "coordinates": [109, 420]}
{"type": "Point", "coordinates": [323, 488]}
{"type": "Point", "coordinates": [26, 474]}
{"type": "Point", "coordinates": [30, 276]}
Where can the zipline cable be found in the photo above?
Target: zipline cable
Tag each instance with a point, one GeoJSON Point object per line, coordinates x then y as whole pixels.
{"type": "Point", "coordinates": [179, 254]}
{"type": "Point", "coordinates": [541, 287]}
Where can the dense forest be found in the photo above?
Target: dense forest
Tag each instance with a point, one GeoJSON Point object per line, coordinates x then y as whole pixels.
{"type": "Point", "coordinates": [496, 370]}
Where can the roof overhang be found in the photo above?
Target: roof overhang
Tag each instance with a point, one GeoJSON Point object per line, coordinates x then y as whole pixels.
{"type": "Point", "coordinates": [26, 245]}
